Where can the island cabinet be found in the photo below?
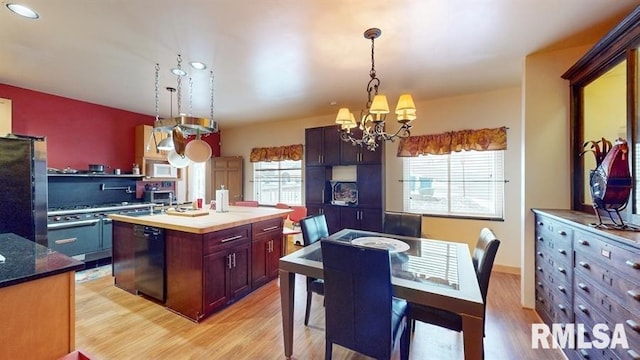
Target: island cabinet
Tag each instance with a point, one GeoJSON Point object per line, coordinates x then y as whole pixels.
{"type": "Point", "coordinates": [587, 276]}
{"type": "Point", "coordinates": [266, 250]}
{"type": "Point", "coordinates": [206, 272]}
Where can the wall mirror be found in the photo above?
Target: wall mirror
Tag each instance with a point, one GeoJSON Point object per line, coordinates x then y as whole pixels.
{"type": "Point", "coordinates": [604, 98]}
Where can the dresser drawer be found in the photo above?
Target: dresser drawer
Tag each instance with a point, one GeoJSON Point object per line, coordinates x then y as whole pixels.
{"type": "Point", "coordinates": [591, 353]}
{"type": "Point", "coordinates": [266, 227]}
{"type": "Point", "coordinates": [554, 234]}
{"type": "Point", "coordinates": [229, 237]}
{"type": "Point", "coordinates": [614, 283]}
{"type": "Point", "coordinates": [624, 261]}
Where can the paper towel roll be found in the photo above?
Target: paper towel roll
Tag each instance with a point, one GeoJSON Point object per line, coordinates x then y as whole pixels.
{"type": "Point", "coordinates": [222, 200]}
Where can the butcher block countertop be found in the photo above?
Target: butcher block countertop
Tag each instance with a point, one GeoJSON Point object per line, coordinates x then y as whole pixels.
{"type": "Point", "coordinates": [214, 221]}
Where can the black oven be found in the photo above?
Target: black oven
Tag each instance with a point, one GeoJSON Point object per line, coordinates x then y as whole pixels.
{"type": "Point", "coordinates": [75, 238]}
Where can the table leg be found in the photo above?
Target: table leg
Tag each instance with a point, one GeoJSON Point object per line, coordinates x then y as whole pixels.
{"type": "Point", "coordinates": [287, 282]}
{"type": "Point", "coordinates": [473, 334]}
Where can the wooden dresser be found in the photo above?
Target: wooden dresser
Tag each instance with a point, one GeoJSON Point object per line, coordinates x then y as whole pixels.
{"type": "Point", "coordinates": [588, 276]}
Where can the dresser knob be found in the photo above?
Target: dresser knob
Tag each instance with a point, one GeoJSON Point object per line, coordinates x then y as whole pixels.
{"type": "Point", "coordinates": [584, 264]}
{"type": "Point", "coordinates": [562, 289]}
{"type": "Point", "coordinates": [562, 251]}
{"type": "Point", "coordinates": [583, 287]}
{"type": "Point", "coordinates": [583, 309]}
{"type": "Point", "coordinates": [562, 270]}
{"type": "Point", "coordinates": [562, 233]}
{"type": "Point", "coordinates": [633, 264]}
{"type": "Point", "coordinates": [634, 355]}
{"type": "Point", "coordinates": [633, 325]}
{"type": "Point", "coordinates": [562, 308]}
{"type": "Point", "coordinates": [584, 353]}
{"type": "Point", "coordinates": [634, 294]}
{"type": "Point", "coordinates": [583, 242]}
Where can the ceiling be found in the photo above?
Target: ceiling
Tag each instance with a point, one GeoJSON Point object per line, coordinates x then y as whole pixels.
{"type": "Point", "coordinates": [284, 59]}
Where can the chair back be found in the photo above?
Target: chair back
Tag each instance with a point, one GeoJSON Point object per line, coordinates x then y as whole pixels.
{"type": "Point", "coordinates": [483, 256]}
{"type": "Point", "coordinates": [358, 298]}
{"type": "Point", "coordinates": [249, 203]}
{"type": "Point", "coordinates": [299, 212]}
{"type": "Point", "coordinates": [282, 206]}
{"type": "Point", "coordinates": [406, 224]}
{"type": "Point", "coordinates": [314, 228]}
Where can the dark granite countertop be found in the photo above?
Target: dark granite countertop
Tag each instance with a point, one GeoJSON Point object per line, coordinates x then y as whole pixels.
{"type": "Point", "coordinates": [25, 261]}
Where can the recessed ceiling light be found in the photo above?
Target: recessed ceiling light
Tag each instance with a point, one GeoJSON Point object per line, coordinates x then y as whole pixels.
{"type": "Point", "coordinates": [178, 72]}
{"type": "Point", "coordinates": [198, 65]}
{"type": "Point", "coordinates": [22, 11]}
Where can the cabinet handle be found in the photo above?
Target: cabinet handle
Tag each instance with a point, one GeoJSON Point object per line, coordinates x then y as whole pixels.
{"type": "Point", "coordinates": [541, 254]}
{"type": "Point", "coordinates": [584, 354]}
{"type": "Point", "coordinates": [229, 261]}
{"type": "Point", "coordinates": [231, 238]}
{"type": "Point", "coordinates": [634, 355]}
{"type": "Point", "coordinates": [562, 270]}
{"type": "Point", "coordinates": [540, 238]}
{"type": "Point", "coordinates": [271, 246]}
{"type": "Point", "coordinates": [584, 264]}
{"type": "Point", "coordinates": [234, 259]}
{"type": "Point", "coordinates": [583, 242]}
{"type": "Point", "coordinates": [540, 223]}
{"type": "Point", "coordinates": [583, 286]}
{"type": "Point", "coordinates": [633, 264]}
{"type": "Point", "coordinates": [540, 285]}
{"type": "Point", "coordinates": [584, 309]}
{"type": "Point", "coordinates": [562, 251]}
{"type": "Point", "coordinates": [633, 325]}
{"type": "Point", "coordinates": [322, 195]}
{"type": "Point", "coordinates": [541, 300]}
{"type": "Point", "coordinates": [270, 228]}
{"type": "Point", "coordinates": [562, 308]}
{"type": "Point", "coordinates": [66, 241]}
{"type": "Point", "coordinates": [540, 269]}
{"type": "Point", "coordinates": [562, 289]}
{"type": "Point", "coordinates": [562, 233]}
{"type": "Point", "coordinates": [634, 294]}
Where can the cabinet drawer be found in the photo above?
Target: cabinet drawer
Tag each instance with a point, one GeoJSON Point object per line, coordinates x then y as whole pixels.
{"type": "Point", "coordinates": [228, 237]}
{"type": "Point", "coordinates": [554, 233]}
{"type": "Point", "coordinates": [624, 261]}
{"type": "Point", "coordinates": [266, 227]}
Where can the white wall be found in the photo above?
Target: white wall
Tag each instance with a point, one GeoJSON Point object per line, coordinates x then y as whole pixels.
{"type": "Point", "coordinates": [546, 148]}
{"type": "Point", "coordinates": [474, 111]}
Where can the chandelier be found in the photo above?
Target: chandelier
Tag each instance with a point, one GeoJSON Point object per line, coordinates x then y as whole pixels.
{"type": "Point", "coordinates": [372, 119]}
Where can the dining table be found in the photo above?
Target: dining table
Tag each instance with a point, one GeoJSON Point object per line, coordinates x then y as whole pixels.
{"type": "Point", "coordinates": [424, 271]}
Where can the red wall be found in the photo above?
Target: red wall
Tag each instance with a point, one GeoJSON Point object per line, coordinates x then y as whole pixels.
{"type": "Point", "coordinates": [79, 133]}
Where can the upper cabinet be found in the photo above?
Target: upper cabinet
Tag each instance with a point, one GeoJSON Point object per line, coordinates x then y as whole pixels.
{"type": "Point", "coordinates": [324, 147]}
{"type": "Point", "coordinates": [146, 145]}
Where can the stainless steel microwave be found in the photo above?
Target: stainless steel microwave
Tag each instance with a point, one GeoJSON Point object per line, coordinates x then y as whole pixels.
{"type": "Point", "coordinates": [159, 196]}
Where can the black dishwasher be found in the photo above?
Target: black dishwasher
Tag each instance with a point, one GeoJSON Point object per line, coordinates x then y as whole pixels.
{"type": "Point", "coordinates": [149, 261]}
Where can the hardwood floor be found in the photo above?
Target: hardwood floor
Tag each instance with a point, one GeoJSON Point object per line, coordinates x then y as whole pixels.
{"type": "Point", "coordinates": [113, 324]}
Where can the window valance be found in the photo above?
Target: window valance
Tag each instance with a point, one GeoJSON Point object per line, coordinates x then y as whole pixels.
{"type": "Point", "coordinates": [279, 153]}
{"type": "Point", "coordinates": [445, 143]}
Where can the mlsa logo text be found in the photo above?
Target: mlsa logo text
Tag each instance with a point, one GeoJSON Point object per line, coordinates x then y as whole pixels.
{"type": "Point", "coordinates": [574, 336]}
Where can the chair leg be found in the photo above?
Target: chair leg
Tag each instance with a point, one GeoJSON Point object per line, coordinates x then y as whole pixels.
{"type": "Point", "coordinates": [328, 350]}
{"type": "Point", "coordinates": [405, 342]}
{"type": "Point", "coordinates": [308, 309]}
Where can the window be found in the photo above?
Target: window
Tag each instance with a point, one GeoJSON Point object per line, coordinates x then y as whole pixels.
{"type": "Point", "coordinates": [278, 182]}
{"type": "Point", "coordinates": [460, 184]}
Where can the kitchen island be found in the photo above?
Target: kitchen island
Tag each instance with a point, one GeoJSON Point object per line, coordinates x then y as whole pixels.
{"type": "Point", "coordinates": [37, 288]}
{"type": "Point", "coordinates": [207, 262]}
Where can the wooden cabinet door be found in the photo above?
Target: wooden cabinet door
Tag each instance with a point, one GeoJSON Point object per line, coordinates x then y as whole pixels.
{"type": "Point", "coordinates": [349, 153]}
{"type": "Point", "coordinates": [316, 184]}
{"type": "Point", "coordinates": [239, 280]}
{"type": "Point", "coordinates": [371, 219]}
{"type": "Point", "coordinates": [260, 261]}
{"type": "Point", "coordinates": [331, 145]}
{"type": "Point", "coordinates": [349, 218]}
{"type": "Point", "coordinates": [313, 146]}
{"type": "Point", "coordinates": [370, 186]}
{"type": "Point", "coordinates": [227, 171]}
{"type": "Point", "coordinates": [146, 145]}
{"type": "Point", "coordinates": [274, 256]}
{"type": "Point", "coordinates": [216, 267]}
{"type": "Point", "coordinates": [372, 157]}
{"type": "Point", "coordinates": [124, 256]}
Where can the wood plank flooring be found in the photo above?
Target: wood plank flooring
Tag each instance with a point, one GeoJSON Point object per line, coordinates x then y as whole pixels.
{"type": "Point", "coordinates": [113, 324]}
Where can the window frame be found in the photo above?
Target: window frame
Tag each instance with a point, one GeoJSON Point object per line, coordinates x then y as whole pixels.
{"type": "Point", "coordinates": [280, 170]}
{"type": "Point", "coordinates": [413, 182]}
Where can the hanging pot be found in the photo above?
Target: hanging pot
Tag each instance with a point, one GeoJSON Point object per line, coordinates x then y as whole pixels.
{"type": "Point", "coordinates": [179, 140]}
{"type": "Point", "coordinates": [177, 160]}
{"type": "Point", "coordinates": [198, 150]}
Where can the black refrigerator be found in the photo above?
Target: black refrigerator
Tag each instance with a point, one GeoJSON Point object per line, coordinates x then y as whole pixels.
{"type": "Point", "coordinates": [23, 187]}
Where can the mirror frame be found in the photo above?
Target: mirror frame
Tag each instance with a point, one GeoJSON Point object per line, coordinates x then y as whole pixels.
{"type": "Point", "coordinates": [620, 44]}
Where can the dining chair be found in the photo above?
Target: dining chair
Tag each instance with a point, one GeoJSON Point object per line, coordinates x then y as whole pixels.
{"type": "Point", "coordinates": [361, 312]}
{"type": "Point", "coordinates": [402, 223]}
{"type": "Point", "coordinates": [249, 203]}
{"type": "Point", "coordinates": [314, 228]}
{"type": "Point", "coordinates": [483, 256]}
